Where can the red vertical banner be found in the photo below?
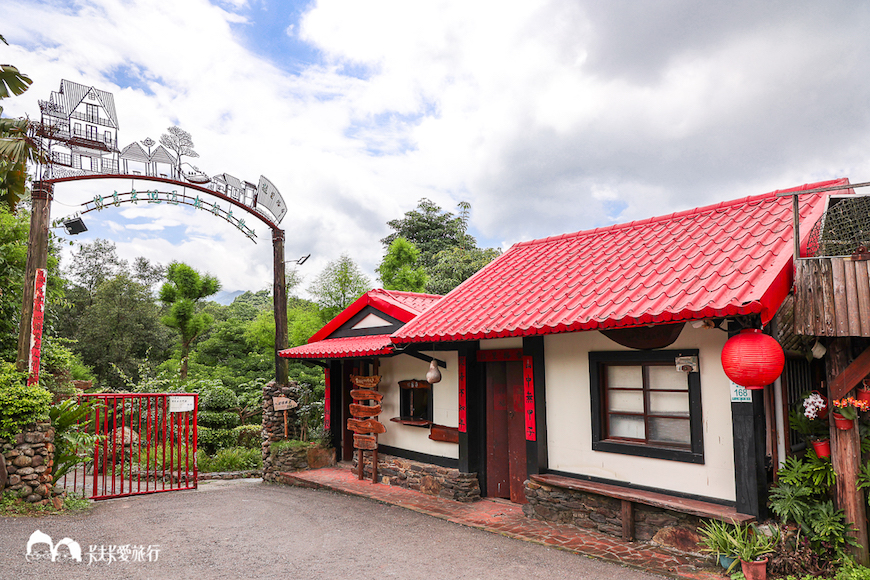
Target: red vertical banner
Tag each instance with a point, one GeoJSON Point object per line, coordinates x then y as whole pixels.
{"type": "Point", "coordinates": [327, 405]}
{"type": "Point", "coordinates": [36, 322]}
{"type": "Point", "coordinates": [462, 395]}
{"type": "Point", "coordinates": [529, 398]}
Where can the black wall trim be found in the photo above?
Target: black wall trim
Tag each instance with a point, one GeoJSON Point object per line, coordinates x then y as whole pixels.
{"type": "Point", "coordinates": [537, 453]}
{"type": "Point", "coordinates": [346, 329]}
{"type": "Point", "coordinates": [421, 457]}
{"type": "Point", "coordinates": [717, 501]}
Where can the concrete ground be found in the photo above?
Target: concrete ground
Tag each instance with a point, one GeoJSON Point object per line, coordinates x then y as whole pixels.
{"type": "Point", "coordinates": [248, 529]}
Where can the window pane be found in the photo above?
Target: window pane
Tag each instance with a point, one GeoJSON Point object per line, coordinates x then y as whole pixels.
{"type": "Point", "coordinates": [667, 377]}
{"type": "Point", "coordinates": [624, 377]}
{"type": "Point", "coordinates": [631, 401]}
{"type": "Point", "coordinates": [669, 403]}
{"type": "Point", "coordinates": [622, 426]}
{"type": "Point", "coordinates": [669, 430]}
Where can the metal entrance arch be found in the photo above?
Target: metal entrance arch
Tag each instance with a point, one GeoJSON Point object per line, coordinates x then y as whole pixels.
{"type": "Point", "coordinates": [37, 255]}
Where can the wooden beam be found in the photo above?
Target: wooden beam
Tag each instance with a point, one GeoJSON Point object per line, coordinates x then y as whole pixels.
{"type": "Point", "coordinates": [853, 374]}
{"type": "Point", "coordinates": [846, 456]}
{"type": "Point", "coordinates": [627, 521]}
{"type": "Point", "coordinates": [425, 357]}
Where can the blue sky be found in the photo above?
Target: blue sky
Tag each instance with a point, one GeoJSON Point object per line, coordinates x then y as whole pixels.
{"type": "Point", "coordinates": [547, 116]}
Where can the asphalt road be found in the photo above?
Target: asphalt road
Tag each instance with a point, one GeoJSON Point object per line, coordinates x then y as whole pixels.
{"type": "Point", "coordinates": [247, 529]}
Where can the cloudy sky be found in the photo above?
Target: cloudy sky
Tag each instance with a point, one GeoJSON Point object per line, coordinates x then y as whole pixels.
{"type": "Point", "coordinates": [547, 116]}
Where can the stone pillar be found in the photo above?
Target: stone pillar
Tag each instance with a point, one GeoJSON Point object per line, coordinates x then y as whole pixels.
{"type": "Point", "coordinates": [29, 462]}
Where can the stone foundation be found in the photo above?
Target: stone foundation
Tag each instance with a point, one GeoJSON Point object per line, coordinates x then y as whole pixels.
{"type": "Point", "coordinates": [425, 477]}
{"type": "Point", "coordinates": [296, 459]}
{"type": "Point", "coordinates": [29, 460]}
{"type": "Point", "coordinates": [604, 514]}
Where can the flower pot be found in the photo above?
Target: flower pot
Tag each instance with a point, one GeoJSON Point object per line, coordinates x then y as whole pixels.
{"type": "Point", "coordinates": [863, 394]}
{"type": "Point", "coordinates": [822, 448]}
{"type": "Point", "coordinates": [754, 570]}
{"type": "Point", "coordinates": [823, 413]}
{"type": "Point", "coordinates": [726, 561]}
{"type": "Point", "coordinates": [842, 423]}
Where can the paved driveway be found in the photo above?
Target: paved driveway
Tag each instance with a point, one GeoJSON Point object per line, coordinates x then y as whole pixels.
{"type": "Point", "coordinates": [247, 529]}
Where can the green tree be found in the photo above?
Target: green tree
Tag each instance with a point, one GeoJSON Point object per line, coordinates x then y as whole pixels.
{"type": "Point", "coordinates": [400, 268]}
{"type": "Point", "coordinates": [94, 263]}
{"type": "Point", "coordinates": [338, 285]}
{"type": "Point", "coordinates": [431, 230]}
{"type": "Point", "coordinates": [146, 273]}
{"type": "Point", "coordinates": [13, 256]}
{"type": "Point", "coordinates": [182, 292]}
{"type": "Point", "coordinates": [456, 265]}
{"type": "Point", "coordinates": [119, 331]}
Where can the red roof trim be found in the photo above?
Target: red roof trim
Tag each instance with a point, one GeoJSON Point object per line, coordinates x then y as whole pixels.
{"type": "Point", "coordinates": [392, 303]}
{"type": "Point", "coordinates": [347, 347]}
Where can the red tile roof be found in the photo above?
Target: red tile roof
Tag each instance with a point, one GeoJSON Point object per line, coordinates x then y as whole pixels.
{"type": "Point", "coordinates": [353, 346]}
{"type": "Point", "coordinates": [403, 306]}
{"type": "Point", "coordinates": [400, 305]}
{"type": "Point", "coordinates": [732, 258]}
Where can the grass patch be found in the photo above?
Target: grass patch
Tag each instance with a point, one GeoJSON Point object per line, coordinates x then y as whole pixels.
{"type": "Point", "coordinates": [230, 459]}
{"type": "Point", "coordinates": [13, 506]}
{"type": "Point", "coordinates": [279, 446]}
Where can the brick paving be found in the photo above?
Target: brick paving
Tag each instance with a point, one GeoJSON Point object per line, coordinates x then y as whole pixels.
{"type": "Point", "coordinates": [507, 519]}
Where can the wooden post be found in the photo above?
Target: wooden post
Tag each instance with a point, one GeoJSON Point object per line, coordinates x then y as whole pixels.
{"type": "Point", "coordinates": [286, 434]}
{"type": "Point", "coordinates": [846, 457]}
{"type": "Point", "coordinates": [37, 257]}
{"type": "Point", "coordinates": [279, 305]}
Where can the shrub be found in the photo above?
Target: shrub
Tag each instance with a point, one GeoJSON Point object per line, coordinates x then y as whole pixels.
{"type": "Point", "coordinates": [20, 404]}
{"type": "Point", "coordinates": [229, 459]}
{"type": "Point", "coordinates": [248, 436]}
{"type": "Point", "coordinates": [279, 446]}
{"type": "Point", "coordinates": [210, 440]}
{"type": "Point", "coordinates": [218, 419]}
{"type": "Point", "coordinates": [218, 399]}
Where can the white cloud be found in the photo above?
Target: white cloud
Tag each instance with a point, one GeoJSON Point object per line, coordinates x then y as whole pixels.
{"type": "Point", "coordinates": [548, 116]}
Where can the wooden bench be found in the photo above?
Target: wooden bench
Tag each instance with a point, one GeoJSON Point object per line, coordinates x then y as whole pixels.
{"type": "Point", "coordinates": [629, 497]}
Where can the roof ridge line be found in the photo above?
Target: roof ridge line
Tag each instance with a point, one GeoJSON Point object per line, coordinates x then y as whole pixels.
{"type": "Point", "coordinates": [696, 211]}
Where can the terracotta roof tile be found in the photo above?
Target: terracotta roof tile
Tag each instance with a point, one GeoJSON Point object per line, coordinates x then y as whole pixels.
{"type": "Point", "coordinates": [726, 259]}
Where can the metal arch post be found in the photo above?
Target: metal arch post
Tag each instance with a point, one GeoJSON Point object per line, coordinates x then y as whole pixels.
{"type": "Point", "coordinates": [279, 304]}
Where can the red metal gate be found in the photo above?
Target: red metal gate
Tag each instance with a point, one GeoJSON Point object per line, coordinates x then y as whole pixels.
{"type": "Point", "coordinates": [146, 444]}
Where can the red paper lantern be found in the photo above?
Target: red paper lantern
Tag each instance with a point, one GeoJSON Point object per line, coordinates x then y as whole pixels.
{"type": "Point", "coordinates": [752, 359]}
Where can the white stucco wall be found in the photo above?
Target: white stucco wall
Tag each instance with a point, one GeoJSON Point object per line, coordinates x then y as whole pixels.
{"type": "Point", "coordinates": [569, 418]}
{"type": "Point", "coordinates": [445, 398]}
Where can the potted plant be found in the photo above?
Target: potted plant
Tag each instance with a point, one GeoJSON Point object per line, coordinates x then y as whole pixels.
{"type": "Point", "coordinates": [716, 539]}
{"type": "Point", "coordinates": [751, 547]}
{"type": "Point", "coordinates": [811, 424]}
{"type": "Point", "coordinates": [847, 411]}
{"type": "Point", "coordinates": [864, 390]}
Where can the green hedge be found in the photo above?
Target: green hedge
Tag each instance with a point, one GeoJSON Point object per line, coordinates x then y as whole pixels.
{"type": "Point", "coordinates": [219, 399]}
{"type": "Point", "coordinates": [248, 436]}
{"type": "Point", "coordinates": [218, 419]}
{"type": "Point", "coordinates": [210, 440]}
{"type": "Point", "coordinates": [20, 405]}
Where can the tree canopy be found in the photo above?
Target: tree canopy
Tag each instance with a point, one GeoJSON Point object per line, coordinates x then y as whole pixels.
{"type": "Point", "coordinates": [400, 269]}
{"type": "Point", "coordinates": [338, 285]}
{"type": "Point", "coordinates": [184, 288]}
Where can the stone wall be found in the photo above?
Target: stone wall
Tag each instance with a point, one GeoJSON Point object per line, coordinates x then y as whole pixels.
{"type": "Point", "coordinates": [591, 511]}
{"type": "Point", "coordinates": [425, 477]}
{"type": "Point", "coordinates": [29, 460]}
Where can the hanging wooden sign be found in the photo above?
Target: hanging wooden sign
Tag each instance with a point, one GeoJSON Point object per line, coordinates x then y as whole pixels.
{"type": "Point", "coordinates": [365, 410]}
{"type": "Point", "coordinates": [365, 426]}
{"type": "Point", "coordinates": [365, 382]}
{"type": "Point", "coordinates": [366, 395]}
{"type": "Point", "coordinates": [367, 442]}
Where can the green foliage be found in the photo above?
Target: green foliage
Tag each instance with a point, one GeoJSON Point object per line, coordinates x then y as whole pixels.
{"type": "Point", "coordinates": [17, 147]}
{"type": "Point", "coordinates": [20, 404]}
{"type": "Point", "coordinates": [791, 502]}
{"type": "Point", "coordinates": [852, 571]}
{"type": "Point", "coordinates": [812, 471]}
{"type": "Point", "coordinates": [13, 256]}
{"type": "Point", "coordinates": [210, 440]}
{"type": "Point", "coordinates": [73, 444]}
{"type": "Point", "coordinates": [184, 288]}
{"type": "Point", "coordinates": [749, 544]}
{"type": "Point", "coordinates": [454, 266]}
{"type": "Point", "coordinates": [94, 263]}
{"type": "Point", "coordinates": [828, 526]}
{"type": "Point", "coordinates": [431, 230]}
{"type": "Point", "coordinates": [278, 446]}
{"type": "Point", "coordinates": [248, 436]}
{"type": "Point", "coordinates": [400, 269]}
{"type": "Point", "coordinates": [13, 506]}
{"type": "Point", "coordinates": [716, 538]}
{"type": "Point", "coordinates": [59, 366]}
{"type": "Point", "coordinates": [230, 459]}
{"type": "Point", "coordinates": [338, 285]}
{"type": "Point", "coordinates": [218, 419]}
{"type": "Point", "coordinates": [218, 399]}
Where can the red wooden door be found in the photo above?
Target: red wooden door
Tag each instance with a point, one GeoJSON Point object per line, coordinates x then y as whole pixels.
{"type": "Point", "coordinates": [505, 431]}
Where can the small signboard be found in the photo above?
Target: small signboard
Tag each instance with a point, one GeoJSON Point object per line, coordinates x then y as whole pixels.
{"type": "Point", "coordinates": [283, 403]}
{"type": "Point", "coordinates": [180, 403]}
{"type": "Point", "coordinates": [740, 394]}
